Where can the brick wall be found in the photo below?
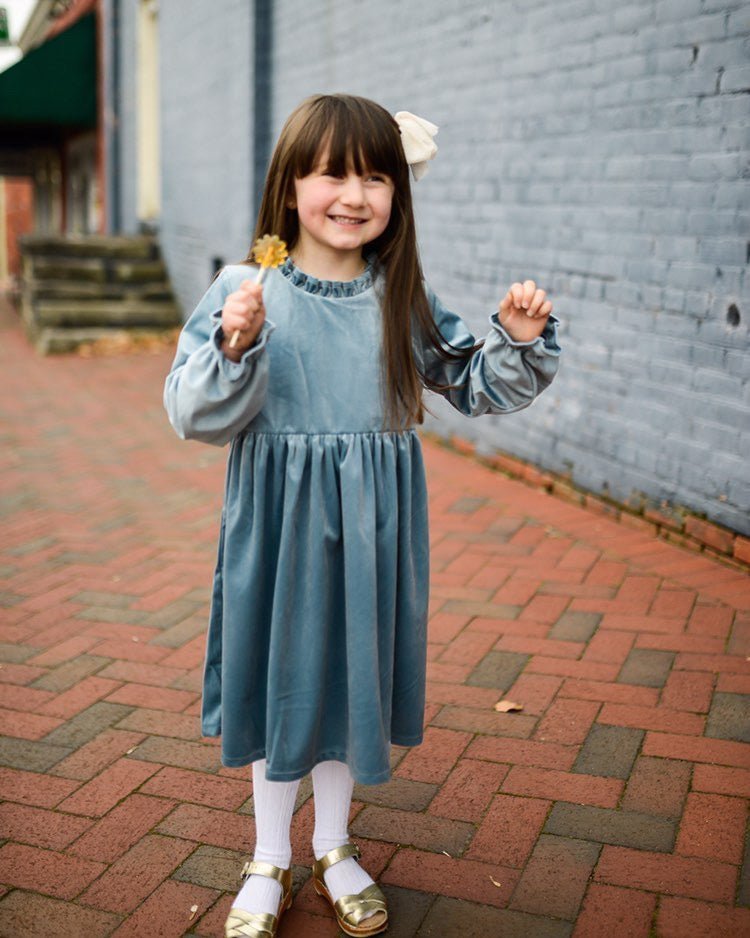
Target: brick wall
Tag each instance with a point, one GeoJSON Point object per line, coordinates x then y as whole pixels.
{"type": "Point", "coordinates": [597, 147]}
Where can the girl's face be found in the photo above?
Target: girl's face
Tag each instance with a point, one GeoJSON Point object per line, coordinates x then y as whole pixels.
{"type": "Point", "coordinates": [340, 214]}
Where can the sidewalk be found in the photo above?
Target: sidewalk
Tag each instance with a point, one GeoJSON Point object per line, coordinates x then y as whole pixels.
{"type": "Point", "coordinates": [614, 803]}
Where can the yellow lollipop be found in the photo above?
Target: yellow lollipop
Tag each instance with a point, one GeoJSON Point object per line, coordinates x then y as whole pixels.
{"type": "Point", "coordinates": [268, 251]}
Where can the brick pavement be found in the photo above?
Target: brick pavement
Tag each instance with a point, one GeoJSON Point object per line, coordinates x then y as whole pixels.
{"type": "Point", "coordinates": [615, 802]}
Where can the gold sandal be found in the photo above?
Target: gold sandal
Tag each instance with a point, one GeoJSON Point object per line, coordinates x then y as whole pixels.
{"type": "Point", "coordinates": [350, 909]}
{"type": "Point", "coordinates": [242, 924]}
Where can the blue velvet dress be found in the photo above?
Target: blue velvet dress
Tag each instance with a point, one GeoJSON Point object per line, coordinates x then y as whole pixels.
{"type": "Point", "coordinates": [318, 627]}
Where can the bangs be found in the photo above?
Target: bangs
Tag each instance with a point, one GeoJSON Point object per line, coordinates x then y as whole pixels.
{"type": "Point", "coordinates": [352, 133]}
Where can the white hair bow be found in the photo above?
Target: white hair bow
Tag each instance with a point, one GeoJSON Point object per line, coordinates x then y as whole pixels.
{"type": "Point", "coordinates": [416, 137]}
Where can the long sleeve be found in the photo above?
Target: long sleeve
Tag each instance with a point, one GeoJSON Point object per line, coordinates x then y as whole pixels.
{"type": "Point", "coordinates": [207, 396]}
{"type": "Point", "coordinates": [501, 377]}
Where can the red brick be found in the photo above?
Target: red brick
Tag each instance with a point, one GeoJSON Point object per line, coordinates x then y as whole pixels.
{"type": "Point", "coordinates": [609, 646]}
{"type": "Point", "coordinates": [23, 698]}
{"type": "Point", "coordinates": [191, 655]}
{"type": "Point", "coordinates": [156, 698]}
{"type": "Point", "coordinates": [607, 573]}
{"type": "Point", "coordinates": [39, 827]}
{"type": "Point", "coordinates": [134, 671]}
{"type": "Point", "coordinates": [137, 873]}
{"type": "Point", "coordinates": [450, 673]}
{"type": "Point", "coordinates": [555, 878]}
{"type": "Point", "coordinates": [467, 648]}
{"type": "Point", "coordinates": [78, 697]}
{"type": "Point", "coordinates": [64, 651]}
{"type": "Point", "coordinates": [509, 830]}
{"type": "Point", "coordinates": [461, 695]}
{"type": "Point", "coordinates": [733, 683]}
{"type": "Point", "coordinates": [657, 786]}
{"type": "Point", "coordinates": [563, 786]}
{"type": "Point", "coordinates": [118, 830]}
{"type": "Point", "coordinates": [444, 626]}
{"type": "Point", "coordinates": [539, 646]}
{"type": "Point", "coordinates": [198, 788]}
{"type": "Point", "coordinates": [97, 754]}
{"type": "Point", "coordinates": [26, 725]}
{"type": "Point", "coordinates": [707, 533]}
{"type": "Point", "coordinates": [680, 917]}
{"type": "Point", "coordinates": [112, 785]}
{"type": "Point", "coordinates": [468, 790]}
{"type": "Point", "coordinates": [696, 749]}
{"type": "Point", "coordinates": [721, 780]}
{"type": "Point", "coordinates": [688, 691]}
{"type": "Point", "coordinates": [33, 788]}
{"type": "Point", "coordinates": [534, 691]}
{"type": "Point", "coordinates": [590, 670]}
{"type": "Point", "coordinates": [711, 620]}
{"type": "Point", "coordinates": [673, 602]}
{"type": "Point", "coordinates": [522, 752]}
{"type": "Point", "coordinates": [24, 913]}
{"type": "Point", "coordinates": [450, 876]}
{"type": "Point", "coordinates": [162, 597]}
{"type": "Point", "coordinates": [616, 693]}
{"type": "Point", "coordinates": [615, 912]}
{"type": "Point", "coordinates": [652, 718]}
{"type": "Point", "coordinates": [54, 874]}
{"type": "Point", "coordinates": [130, 651]}
{"type": "Point", "coordinates": [166, 912]}
{"type": "Point", "coordinates": [642, 623]}
{"type": "Point", "coordinates": [730, 664]}
{"type": "Point", "coordinates": [547, 609]}
{"type": "Point", "coordinates": [567, 721]}
{"type": "Point", "coordinates": [434, 759]}
{"type": "Point", "coordinates": [693, 644]}
{"type": "Point", "coordinates": [19, 673]}
{"type": "Point", "coordinates": [713, 826]}
{"type": "Point", "coordinates": [693, 877]}
{"type": "Point", "coordinates": [159, 723]}
{"type": "Point", "coordinates": [209, 826]}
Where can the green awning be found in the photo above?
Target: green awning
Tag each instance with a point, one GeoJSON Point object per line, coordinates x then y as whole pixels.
{"type": "Point", "coordinates": [54, 85]}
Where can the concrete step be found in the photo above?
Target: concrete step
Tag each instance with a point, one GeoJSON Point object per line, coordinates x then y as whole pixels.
{"type": "Point", "coordinates": [93, 270]}
{"type": "Point", "coordinates": [69, 290]}
{"type": "Point", "coordinates": [95, 312]}
{"type": "Point", "coordinates": [121, 246]}
{"type": "Point", "coordinates": [53, 341]}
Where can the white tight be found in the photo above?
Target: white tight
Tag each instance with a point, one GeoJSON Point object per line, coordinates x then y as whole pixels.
{"type": "Point", "coordinates": [333, 785]}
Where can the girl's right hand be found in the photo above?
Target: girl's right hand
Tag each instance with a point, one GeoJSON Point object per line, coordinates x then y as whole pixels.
{"type": "Point", "coordinates": [244, 311]}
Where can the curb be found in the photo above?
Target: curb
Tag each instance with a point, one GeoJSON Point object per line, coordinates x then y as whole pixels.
{"type": "Point", "coordinates": [676, 524]}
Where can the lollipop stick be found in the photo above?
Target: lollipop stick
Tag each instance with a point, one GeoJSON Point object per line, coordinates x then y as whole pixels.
{"type": "Point", "coordinates": [237, 332]}
{"type": "Point", "coordinates": [270, 251]}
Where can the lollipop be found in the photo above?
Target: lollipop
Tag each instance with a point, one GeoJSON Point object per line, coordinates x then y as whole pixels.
{"type": "Point", "coordinates": [268, 251]}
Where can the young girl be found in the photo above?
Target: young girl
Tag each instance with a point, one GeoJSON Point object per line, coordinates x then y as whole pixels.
{"type": "Point", "coordinates": [316, 652]}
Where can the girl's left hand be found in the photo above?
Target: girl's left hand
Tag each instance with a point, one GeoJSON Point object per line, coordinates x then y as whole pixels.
{"type": "Point", "coordinates": [524, 310]}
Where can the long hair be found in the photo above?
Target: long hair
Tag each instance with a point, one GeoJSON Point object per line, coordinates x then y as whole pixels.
{"type": "Point", "coordinates": [359, 133]}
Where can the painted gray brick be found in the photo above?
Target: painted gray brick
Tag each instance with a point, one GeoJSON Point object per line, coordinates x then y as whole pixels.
{"type": "Point", "coordinates": [606, 158]}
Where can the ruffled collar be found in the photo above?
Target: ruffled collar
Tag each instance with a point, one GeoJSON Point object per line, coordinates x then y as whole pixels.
{"type": "Point", "coordinates": [336, 288]}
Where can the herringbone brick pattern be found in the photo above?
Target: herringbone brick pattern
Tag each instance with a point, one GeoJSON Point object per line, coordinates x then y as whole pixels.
{"type": "Point", "coordinates": [614, 803]}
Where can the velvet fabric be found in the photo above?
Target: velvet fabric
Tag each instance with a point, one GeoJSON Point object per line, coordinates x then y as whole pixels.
{"type": "Point", "coordinates": [318, 626]}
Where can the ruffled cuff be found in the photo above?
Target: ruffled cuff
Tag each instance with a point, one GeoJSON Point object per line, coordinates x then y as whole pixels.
{"type": "Point", "coordinates": [230, 370]}
{"type": "Point", "coordinates": [545, 343]}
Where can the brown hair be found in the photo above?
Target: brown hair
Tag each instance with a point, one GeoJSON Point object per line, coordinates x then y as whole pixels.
{"type": "Point", "coordinates": [361, 133]}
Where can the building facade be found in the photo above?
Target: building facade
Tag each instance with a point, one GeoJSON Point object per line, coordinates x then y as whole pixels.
{"type": "Point", "coordinates": [599, 148]}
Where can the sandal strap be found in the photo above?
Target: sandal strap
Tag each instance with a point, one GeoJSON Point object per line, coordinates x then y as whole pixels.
{"type": "Point", "coordinates": [241, 924]}
{"type": "Point", "coordinates": [333, 856]}
{"type": "Point", "coordinates": [354, 907]}
{"type": "Point", "coordinates": [261, 868]}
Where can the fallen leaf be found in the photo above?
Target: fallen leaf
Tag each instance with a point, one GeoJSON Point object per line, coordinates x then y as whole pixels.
{"type": "Point", "coordinates": [496, 882]}
{"type": "Point", "coordinates": [503, 706]}
{"type": "Point", "coordinates": [447, 854]}
{"type": "Point", "coordinates": [193, 910]}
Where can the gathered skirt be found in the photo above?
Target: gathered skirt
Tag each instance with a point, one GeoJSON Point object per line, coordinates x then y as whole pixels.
{"type": "Point", "coordinates": [318, 628]}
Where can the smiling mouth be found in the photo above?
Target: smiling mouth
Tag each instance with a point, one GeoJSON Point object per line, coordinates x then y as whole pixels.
{"type": "Point", "coordinates": [347, 220]}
